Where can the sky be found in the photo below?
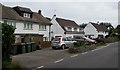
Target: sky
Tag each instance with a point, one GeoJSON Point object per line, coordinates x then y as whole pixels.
{"type": "Point", "coordinates": [80, 12]}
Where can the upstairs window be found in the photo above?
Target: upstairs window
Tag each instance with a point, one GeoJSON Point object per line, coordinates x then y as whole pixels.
{"type": "Point", "coordinates": [75, 29]}
{"type": "Point", "coordinates": [11, 23]}
{"type": "Point", "coordinates": [28, 26]}
{"type": "Point", "coordinates": [26, 15]}
{"type": "Point", "coordinates": [69, 28]}
{"type": "Point", "coordinates": [42, 27]}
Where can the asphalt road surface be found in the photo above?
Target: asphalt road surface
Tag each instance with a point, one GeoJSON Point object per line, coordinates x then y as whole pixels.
{"type": "Point", "coordinates": [106, 57]}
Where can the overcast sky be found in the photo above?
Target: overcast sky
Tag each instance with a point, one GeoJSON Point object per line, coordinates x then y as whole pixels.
{"type": "Point", "coordinates": [80, 12]}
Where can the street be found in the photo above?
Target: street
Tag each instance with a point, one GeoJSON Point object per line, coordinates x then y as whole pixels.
{"type": "Point", "coordinates": [106, 57]}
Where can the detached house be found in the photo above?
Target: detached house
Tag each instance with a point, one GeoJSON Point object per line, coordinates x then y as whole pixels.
{"type": "Point", "coordinates": [30, 26]}
{"type": "Point", "coordinates": [95, 30]}
{"type": "Point", "coordinates": [64, 27]}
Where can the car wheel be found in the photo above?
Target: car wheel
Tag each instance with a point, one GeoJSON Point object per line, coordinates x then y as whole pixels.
{"type": "Point", "coordinates": [53, 48]}
{"type": "Point", "coordinates": [63, 47]}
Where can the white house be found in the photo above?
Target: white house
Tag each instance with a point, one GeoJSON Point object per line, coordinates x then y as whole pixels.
{"type": "Point", "coordinates": [95, 30]}
{"type": "Point", "coordinates": [30, 26]}
{"type": "Point", "coordinates": [64, 27]}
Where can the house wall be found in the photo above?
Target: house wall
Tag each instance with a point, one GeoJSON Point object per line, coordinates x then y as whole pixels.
{"type": "Point", "coordinates": [20, 29]}
{"type": "Point", "coordinates": [91, 30]}
{"type": "Point", "coordinates": [72, 28]}
{"type": "Point", "coordinates": [56, 28]}
{"type": "Point", "coordinates": [35, 30]}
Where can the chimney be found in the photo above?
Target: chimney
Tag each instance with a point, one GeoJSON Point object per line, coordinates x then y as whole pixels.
{"type": "Point", "coordinates": [39, 11]}
{"type": "Point", "coordinates": [97, 22]}
{"type": "Point", "coordinates": [54, 15]}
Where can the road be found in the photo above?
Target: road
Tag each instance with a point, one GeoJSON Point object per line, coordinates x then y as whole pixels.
{"type": "Point", "coordinates": [106, 57]}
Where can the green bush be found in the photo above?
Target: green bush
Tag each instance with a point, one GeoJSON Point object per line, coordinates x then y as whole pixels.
{"type": "Point", "coordinates": [100, 41]}
{"type": "Point", "coordinates": [7, 41]}
{"type": "Point", "coordinates": [81, 43]}
{"type": "Point", "coordinates": [13, 66]}
{"type": "Point", "coordinates": [110, 39]}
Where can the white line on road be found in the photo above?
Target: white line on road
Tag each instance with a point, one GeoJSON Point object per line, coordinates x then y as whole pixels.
{"type": "Point", "coordinates": [58, 60]}
{"type": "Point", "coordinates": [40, 67]}
{"type": "Point", "coordinates": [84, 52]}
{"type": "Point", "coordinates": [98, 48]}
{"type": "Point", "coordinates": [74, 55]}
{"type": "Point", "coordinates": [93, 50]}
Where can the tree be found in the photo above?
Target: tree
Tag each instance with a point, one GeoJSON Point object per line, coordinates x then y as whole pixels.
{"type": "Point", "coordinates": [82, 25]}
{"type": "Point", "coordinates": [7, 41]}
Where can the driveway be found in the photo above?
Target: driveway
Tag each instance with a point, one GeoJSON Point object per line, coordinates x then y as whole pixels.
{"type": "Point", "coordinates": [40, 57]}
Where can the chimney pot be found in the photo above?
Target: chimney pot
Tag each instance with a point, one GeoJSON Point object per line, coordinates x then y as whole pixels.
{"type": "Point", "coordinates": [54, 15]}
{"type": "Point", "coordinates": [39, 11]}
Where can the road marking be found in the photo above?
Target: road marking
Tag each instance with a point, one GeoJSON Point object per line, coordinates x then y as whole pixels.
{"type": "Point", "coordinates": [58, 60]}
{"type": "Point", "coordinates": [98, 48]}
{"type": "Point", "coordinates": [74, 55]}
{"type": "Point", "coordinates": [84, 52]}
{"type": "Point", "coordinates": [106, 46]}
{"type": "Point", "coordinates": [93, 50]}
{"type": "Point", "coordinates": [40, 67]}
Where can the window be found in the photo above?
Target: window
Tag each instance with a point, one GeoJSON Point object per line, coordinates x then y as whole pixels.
{"type": "Point", "coordinates": [75, 29]}
{"type": "Point", "coordinates": [26, 15]}
{"type": "Point", "coordinates": [45, 39]}
{"type": "Point", "coordinates": [64, 39]}
{"type": "Point", "coordinates": [28, 26]}
{"type": "Point", "coordinates": [42, 27]}
{"type": "Point", "coordinates": [11, 23]}
{"type": "Point", "coordinates": [69, 28]}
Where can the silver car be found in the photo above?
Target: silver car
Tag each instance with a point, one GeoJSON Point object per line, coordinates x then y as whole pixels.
{"type": "Point", "coordinates": [62, 42]}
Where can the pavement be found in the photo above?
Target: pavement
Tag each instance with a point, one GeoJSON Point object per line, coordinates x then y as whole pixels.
{"type": "Point", "coordinates": [102, 57]}
{"type": "Point", "coordinates": [39, 57]}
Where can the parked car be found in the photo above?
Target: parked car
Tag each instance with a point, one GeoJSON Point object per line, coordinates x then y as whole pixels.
{"type": "Point", "coordinates": [85, 38]}
{"type": "Point", "coordinates": [90, 40]}
{"type": "Point", "coordinates": [62, 42]}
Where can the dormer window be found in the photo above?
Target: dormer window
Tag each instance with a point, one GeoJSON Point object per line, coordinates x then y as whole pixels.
{"type": "Point", "coordinates": [75, 29]}
{"type": "Point", "coordinates": [69, 28]}
{"type": "Point", "coordinates": [26, 15]}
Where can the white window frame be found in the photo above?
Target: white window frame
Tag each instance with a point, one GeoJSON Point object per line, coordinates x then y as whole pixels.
{"type": "Point", "coordinates": [69, 29]}
{"type": "Point", "coordinates": [28, 26]}
{"type": "Point", "coordinates": [75, 29]}
{"type": "Point", "coordinates": [42, 27]}
{"type": "Point", "coordinates": [26, 15]}
{"type": "Point", "coordinates": [11, 23]}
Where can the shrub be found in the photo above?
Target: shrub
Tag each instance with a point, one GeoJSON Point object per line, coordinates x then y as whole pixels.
{"type": "Point", "coordinates": [82, 43]}
{"type": "Point", "coordinates": [110, 39]}
{"type": "Point", "coordinates": [13, 66]}
{"type": "Point", "coordinates": [101, 41]}
{"type": "Point", "coordinates": [73, 50]}
{"type": "Point", "coordinates": [7, 41]}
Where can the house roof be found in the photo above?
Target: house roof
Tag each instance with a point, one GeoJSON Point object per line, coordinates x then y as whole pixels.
{"type": "Point", "coordinates": [99, 27]}
{"type": "Point", "coordinates": [65, 23]}
{"type": "Point", "coordinates": [23, 9]}
{"type": "Point", "coordinates": [11, 14]}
